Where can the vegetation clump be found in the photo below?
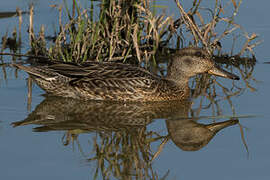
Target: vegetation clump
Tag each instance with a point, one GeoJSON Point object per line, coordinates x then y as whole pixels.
{"type": "Point", "coordinates": [130, 30]}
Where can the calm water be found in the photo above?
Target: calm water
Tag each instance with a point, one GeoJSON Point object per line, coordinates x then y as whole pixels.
{"type": "Point", "coordinates": [48, 152]}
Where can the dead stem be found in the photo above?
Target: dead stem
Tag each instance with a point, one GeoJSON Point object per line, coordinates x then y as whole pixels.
{"type": "Point", "coordinates": [20, 27]}
{"type": "Point", "coordinates": [194, 28]}
{"type": "Point", "coordinates": [29, 95]}
{"type": "Point", "coordinates": [160, 148]}
{"type": "Point", "coordinates": [243, 139]}
{"type": "Point", "coordinates": [31, 29]}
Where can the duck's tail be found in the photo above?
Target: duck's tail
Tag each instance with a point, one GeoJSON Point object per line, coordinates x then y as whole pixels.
{"type": "Point", "coordinates": [37, 72]}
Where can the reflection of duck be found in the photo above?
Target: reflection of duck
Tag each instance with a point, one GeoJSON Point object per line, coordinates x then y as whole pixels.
{"type": "Point", "coordinates": [58, 113]}
{"type": "Point", "coordinates": [123, 82]}
{"type": "Point", "coordinates": [192, 136]}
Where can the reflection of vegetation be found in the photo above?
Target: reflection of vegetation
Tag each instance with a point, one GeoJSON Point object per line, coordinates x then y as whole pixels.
{"type": "Point", "coordinates": [122, 144]}
{"type": "Point", "coordinates": [124, 154]}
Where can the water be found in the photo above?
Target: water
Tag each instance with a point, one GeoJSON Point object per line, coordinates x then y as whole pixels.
{"type": "Point", "coordinates": [43, 155]}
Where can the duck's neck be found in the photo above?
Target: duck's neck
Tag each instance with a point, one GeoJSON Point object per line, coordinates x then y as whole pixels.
{"type": "Point", "coordinates": [179, 77]}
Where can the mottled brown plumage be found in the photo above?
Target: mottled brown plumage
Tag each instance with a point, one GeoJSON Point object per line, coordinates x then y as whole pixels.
{"type": "Point", "coordinates": [122, 82]}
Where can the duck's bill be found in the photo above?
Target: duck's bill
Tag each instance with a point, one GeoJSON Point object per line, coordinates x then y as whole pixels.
{"type": "Point", "coordinates": [217, 71]}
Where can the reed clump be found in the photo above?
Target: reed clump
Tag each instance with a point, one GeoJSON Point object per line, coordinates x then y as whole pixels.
{"type": "Point", "coordinates": [123, 30]}
{"type": "Point", "coordinates": [129, 30]}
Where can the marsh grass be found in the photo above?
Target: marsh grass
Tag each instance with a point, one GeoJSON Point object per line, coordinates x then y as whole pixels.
{"type": "Point", "coordinates": [123, 30]}
{"type": "Point", "coordinates": [129, 30]}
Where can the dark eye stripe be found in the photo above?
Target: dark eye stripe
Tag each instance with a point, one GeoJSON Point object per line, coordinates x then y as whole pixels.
{"type": "Point", "coordinates": [199, 54]}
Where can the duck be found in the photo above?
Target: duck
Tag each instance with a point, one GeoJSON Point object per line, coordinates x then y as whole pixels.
{"type": "Point", "coordinates": [114, 81]}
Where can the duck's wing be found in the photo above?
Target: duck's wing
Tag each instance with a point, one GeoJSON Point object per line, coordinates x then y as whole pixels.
{"type": "Point", "coordinates": [93, 70]}
{"type": "Point", "coordinates": [110, 80]}
{"type": "Point", "coordinates": [116, 88]}
{"type": "Point", "coordinates": [101, 70]}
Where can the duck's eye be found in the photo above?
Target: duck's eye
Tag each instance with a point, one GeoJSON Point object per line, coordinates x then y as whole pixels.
{"type": "Point", "coordinates": [199, 54]}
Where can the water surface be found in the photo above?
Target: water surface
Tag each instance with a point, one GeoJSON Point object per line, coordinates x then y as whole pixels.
{"type": "Point", "coordinates": [48, 150]}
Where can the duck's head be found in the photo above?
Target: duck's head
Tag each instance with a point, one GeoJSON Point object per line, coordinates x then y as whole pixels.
{"type": "Point", "coordinates": [189, 62]}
